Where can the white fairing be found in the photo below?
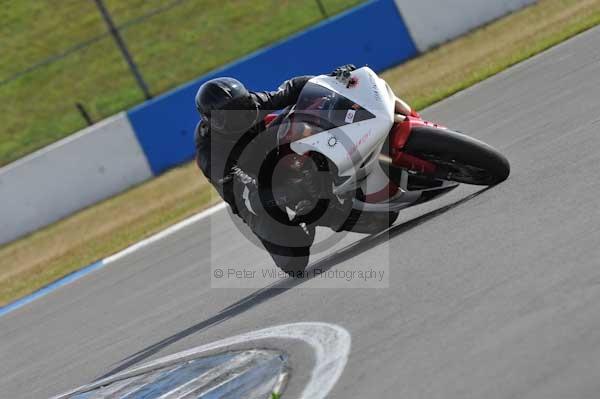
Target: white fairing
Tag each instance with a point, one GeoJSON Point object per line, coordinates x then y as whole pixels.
{"type": "Point", "coordinates": [349, 146]}
{"type": "Point", "coordinates": [355, 147]}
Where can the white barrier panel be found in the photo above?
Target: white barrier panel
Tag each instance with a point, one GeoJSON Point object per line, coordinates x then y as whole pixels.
{"type": "Point", "coordinates": [94, 164]}
{"type": "Point", "coordinates": [433, 22]}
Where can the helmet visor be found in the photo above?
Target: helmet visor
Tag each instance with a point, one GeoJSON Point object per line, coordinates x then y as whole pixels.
{"type": "Point", "coordinates": [233, 121]}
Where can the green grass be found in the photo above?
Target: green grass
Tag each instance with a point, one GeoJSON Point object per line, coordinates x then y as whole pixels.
{"type": "Point", "coordinates": [170, 48]}
{"type": "Point", "coordinates": [96, 232]}
{"type": "Point", "coordinates": [65, 246]}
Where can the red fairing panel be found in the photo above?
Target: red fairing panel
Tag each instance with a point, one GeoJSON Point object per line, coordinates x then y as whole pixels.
{"type": "Point", "coordinates": [399, 136]}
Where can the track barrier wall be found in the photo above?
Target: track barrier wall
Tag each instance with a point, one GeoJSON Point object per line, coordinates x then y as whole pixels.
{"type": "Point", "coordinates": [129, 148]}
{"type": "Point", "coordinates": [96, 163]}
{"type": "Point", "coordinates": [433, 22]}
{"type": "Point", "coordinates": [372, 33]}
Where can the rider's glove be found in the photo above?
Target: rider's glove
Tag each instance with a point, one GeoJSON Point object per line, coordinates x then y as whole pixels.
{"type": "Point", "coordinates": [343, 71]}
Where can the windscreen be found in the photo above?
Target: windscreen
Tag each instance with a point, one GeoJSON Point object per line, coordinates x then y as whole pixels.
{"type": "Point", "coordinates": [319, 109]}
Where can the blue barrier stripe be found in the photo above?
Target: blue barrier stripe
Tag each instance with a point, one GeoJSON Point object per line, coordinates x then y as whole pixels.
{"type": "Point", "coordinates": [221, 71]}
{"type": "Point", "coordinates": [411, 37]}
{"type": "Point", "coordinates": [373, 33]}
{"type": "Point", "coordinates": [76, 275]}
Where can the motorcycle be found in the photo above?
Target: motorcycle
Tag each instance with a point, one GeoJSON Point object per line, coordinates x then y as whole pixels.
{"type": "Point", "coordinates": [371, 157]}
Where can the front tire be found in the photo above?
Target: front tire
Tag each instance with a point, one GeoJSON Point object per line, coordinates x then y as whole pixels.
{"type": "Point", "coordinates": [458, 157]}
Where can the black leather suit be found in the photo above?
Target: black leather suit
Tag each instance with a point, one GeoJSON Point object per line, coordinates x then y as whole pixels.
{"type": "Point", "coordinates": [233, 165]}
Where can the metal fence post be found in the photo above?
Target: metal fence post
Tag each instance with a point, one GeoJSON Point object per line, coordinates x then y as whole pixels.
{"type": "Point", "coordinates": [84, 113]}
{"type": "Point", "coordinates": [121, 44]}
{"type": "Point", "coordinates": [322, 8]}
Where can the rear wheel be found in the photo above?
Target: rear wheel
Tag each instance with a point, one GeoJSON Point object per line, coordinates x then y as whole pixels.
{"type": "Point", "coordinates": [458, 157]}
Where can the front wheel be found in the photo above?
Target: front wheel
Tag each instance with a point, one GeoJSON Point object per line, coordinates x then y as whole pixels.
{"type": "Point", "coordinates": [458, 157]}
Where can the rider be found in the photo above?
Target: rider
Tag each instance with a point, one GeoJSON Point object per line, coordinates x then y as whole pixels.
{"type": "Point", "coordinates": [232, 144]}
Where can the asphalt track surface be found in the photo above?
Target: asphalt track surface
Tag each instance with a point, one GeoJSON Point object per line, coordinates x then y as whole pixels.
{"type": "Point", "coordinates": [492, 294]}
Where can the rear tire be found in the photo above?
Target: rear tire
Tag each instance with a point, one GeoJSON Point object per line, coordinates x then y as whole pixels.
{"type": "Point", "coordinates": [460, 158]}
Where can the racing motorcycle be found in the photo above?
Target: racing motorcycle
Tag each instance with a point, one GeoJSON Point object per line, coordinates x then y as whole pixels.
{"type": "Point", "coordinates": [370, 156]}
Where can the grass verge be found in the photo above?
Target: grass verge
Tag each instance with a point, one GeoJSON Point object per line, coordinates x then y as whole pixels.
{"type": "Point", "coordinates": [31, 262]}
{"type": "Point", "coordinates": [172, 41]}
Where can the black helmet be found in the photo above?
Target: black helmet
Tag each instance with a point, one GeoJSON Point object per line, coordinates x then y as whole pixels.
{"type": "Point", "coordinates": [226, 105]}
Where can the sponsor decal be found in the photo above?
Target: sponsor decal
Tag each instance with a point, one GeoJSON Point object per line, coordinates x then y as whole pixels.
{"type": "Point", "coordinates": [352, 82]}
{"type": "Point", "coordinates": [352, 150]}
{"type": "Point", "coordinates": [350, 116]}
{"type": "Point", "coordinates": [332, 141]}
{"type": "Point", "coordinates": [375, 89]}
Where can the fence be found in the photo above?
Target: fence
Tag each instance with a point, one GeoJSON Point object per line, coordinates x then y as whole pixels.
{"type": "Point", "coordinates": [129, 148]}
{"type": "Point", "coordinates": [59, 54]}
{"type": "Point", "coordinates": [373, 33]}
